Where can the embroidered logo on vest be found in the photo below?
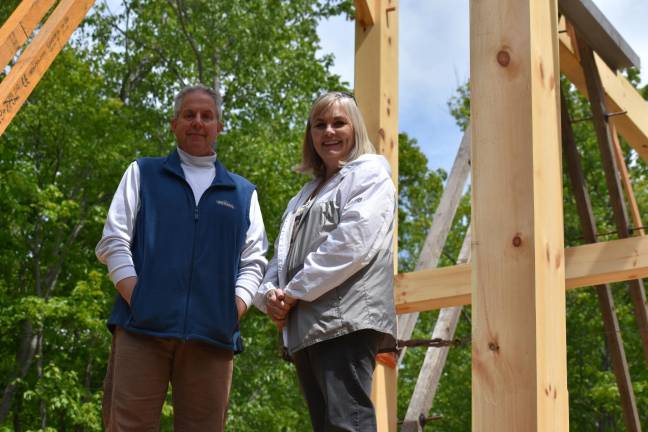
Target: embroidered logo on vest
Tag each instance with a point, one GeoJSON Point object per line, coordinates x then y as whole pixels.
{"type": "Point", "coordinates": [225, 204]}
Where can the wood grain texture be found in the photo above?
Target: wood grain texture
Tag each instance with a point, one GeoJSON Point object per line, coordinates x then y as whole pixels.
{"type": "Point", "coordinates": [19, 27]}
{"type": "Point", "coordinates": [38, 56]}
{"type": "Point", "coordinates": [365, 12]}
{"type": "Point", "coordinates": [519, 362]}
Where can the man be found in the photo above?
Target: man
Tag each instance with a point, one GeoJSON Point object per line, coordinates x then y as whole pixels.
{"type": "Point", "coordinates": [184, 243]}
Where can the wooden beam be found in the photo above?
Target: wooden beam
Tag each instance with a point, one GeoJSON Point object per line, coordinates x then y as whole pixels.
{"type": "Point", "coordinates": [433, 289]}
{"type": "Point", "coordinates": [596, 95]}
{"type": "Point", "coordinates": [441, 224]}
{"type": "Point", "coordinates": [519, 359]}
{"type": "Point", "coordinates": [365, 12]}
{"type": "Point", "coordinates": [39, 55]}
{"type": "Point", "coordinates": [599, 33]}
{"type": "Point", "coordinates": [376, 79]}
{"type": "Point", "coordinates": [621, 96]}
{"type": "Point", "coordinates": [19, 26]}
{"type": "Point", "coordinates": [434, 362]}
{"type": "Point", "coordinates": [588, 265]}
{"type": "Point", "coordinates": [376, 90]}
{"type": "Point", "coordinates": [603, 292]}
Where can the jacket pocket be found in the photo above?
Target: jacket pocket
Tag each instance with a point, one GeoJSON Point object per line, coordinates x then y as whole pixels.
{"type": "Point", "coordinates": [135, 294]}
{"type": "Point", "coordinates": [157, 306]}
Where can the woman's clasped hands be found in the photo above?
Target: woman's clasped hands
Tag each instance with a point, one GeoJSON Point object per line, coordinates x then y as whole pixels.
{"type": "Point", "coordinates": [279, 304]}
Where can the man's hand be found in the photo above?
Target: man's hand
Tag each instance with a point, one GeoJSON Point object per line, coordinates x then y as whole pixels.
{"type": "Point", "coordinates": [241, 307]}
{"type": "Point", "coordinates": [125, 288]}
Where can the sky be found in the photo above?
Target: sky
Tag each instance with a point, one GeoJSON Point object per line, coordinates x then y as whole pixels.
{"type": "Point", "coordinates": [434, 61]}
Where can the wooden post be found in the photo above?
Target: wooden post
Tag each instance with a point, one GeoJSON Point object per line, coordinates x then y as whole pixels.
{"type": "Point", "coordinates": [604, 292]}
{"type": "Point", "coordinates": [19, 26]}
{"type": "Point", "coordinates": [39, 55]}
{"type": "Point", "coordinates": [376, 90]}
{"type": "Point", "coordinates": [596, 95]}
{"type": "Point", "coordinates": [519, 370]}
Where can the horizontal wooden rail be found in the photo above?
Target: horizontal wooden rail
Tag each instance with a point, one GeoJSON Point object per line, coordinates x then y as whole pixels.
{"type": "Point", "coordinates": [592, 264]}
{"type": "Point", "coordinates": [621, 96]}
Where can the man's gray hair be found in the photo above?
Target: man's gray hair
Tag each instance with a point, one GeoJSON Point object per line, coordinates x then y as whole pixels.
{"type": "Point", "coordinates": [179, 99]}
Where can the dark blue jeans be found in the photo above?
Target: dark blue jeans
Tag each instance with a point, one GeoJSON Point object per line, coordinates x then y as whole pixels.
{"type": "Point", "coordinates": [335, 377]}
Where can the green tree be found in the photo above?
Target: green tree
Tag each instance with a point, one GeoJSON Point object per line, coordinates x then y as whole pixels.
{"type": "Point", "coordinates": [104, 102]}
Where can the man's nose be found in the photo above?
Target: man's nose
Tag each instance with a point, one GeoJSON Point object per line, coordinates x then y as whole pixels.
{"type": "Point", "coordinates": [198, 120]}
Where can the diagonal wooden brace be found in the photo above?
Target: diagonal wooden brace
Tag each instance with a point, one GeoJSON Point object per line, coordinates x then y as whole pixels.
{"type": "Point", "coordinates": [38, 56]}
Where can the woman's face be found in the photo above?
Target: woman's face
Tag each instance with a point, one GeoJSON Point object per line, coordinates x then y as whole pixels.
{"type": "Point", "coordinates": [333, 137]}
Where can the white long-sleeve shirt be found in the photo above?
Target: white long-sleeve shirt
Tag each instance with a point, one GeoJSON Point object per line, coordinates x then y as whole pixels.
{"type": "Point", "coordinates": [114, 247]}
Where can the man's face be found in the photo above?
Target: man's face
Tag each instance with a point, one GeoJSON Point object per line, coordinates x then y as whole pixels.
{"type": "Point", "coordinates": [197, 124]}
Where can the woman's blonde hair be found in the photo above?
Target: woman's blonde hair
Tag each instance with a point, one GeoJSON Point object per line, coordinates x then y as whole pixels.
{"type": "Point", "coordinates": [311, 162]}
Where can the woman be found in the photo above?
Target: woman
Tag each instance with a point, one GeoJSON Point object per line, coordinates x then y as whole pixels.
{"type": "Point", "coordinates": [330, 283]}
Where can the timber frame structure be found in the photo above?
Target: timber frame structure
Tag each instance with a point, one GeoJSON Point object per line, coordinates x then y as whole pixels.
{"type": "Point", "coordinates": [513, 267]}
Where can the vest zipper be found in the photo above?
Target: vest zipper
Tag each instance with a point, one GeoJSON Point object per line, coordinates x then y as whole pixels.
{"type": "Point", "coordinates": [193, 253]}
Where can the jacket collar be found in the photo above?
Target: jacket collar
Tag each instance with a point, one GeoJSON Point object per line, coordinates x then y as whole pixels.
{"type": "Point", "coordinates": [222, 178]}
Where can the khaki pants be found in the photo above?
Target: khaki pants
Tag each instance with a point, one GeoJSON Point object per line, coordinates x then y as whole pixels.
{"type": "Point", "coordinates": [139, 371]}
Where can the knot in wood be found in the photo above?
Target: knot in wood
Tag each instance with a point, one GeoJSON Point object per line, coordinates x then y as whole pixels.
{"type": "Point", "coordinates": [493, 346]}
{"type": "Point", "coordinates": [503, 58]}
{"type": "Point", "coordinates": [517, 241]}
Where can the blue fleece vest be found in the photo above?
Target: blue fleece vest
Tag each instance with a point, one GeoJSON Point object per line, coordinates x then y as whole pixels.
{"type": "Point", "coordinates": [186, 256]}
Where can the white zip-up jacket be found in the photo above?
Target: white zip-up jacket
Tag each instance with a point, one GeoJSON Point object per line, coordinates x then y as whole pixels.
{"type": "Point", "coordinates": [346, 242]}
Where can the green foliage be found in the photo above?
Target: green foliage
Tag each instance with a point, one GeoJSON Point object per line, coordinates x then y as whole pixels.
{"type": "Point", "coordinates": [459, 106]}
{"type": "Point", "coordinates": [419, 194]}
{"type": "Point", "coordinates": [104, 102]}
